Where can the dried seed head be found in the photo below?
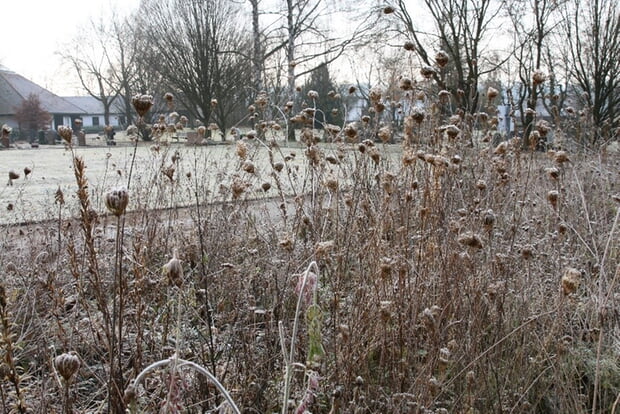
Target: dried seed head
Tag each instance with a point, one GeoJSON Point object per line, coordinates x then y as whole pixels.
{"type": "Point", "coordinates": [173, 270]}
{"type": "Point", "coordinates": [527, 251]}
{"type": "Point", "coordinates": [441, 58]}
{"type": "Point", "coordinates": [538, 77]}
{"type": "Point", "coordinates": [561, 157]}
{"type": "Point", "coordinates": [142, 103]}
{"type": "Point", "coordinates": [350, 131]}
{"type": "Point", "coordinates": [248, 166]}
{"type": "Point", "coordinates": [6, 130]}
{"type": "Point", "coordinates": [13, 175]}
{"type": "Point", "coordinates": [242, 150]}
{"type": "Point", "coordinates": [427, 72]}
{"type": "Point", "coordinates": [116, 201]}
{"type": "Point", "coordinates": [67, 365]}
{"type": "Point", "coordinates": [352, 90]}
{"type": "Point", "coordinates": [489, 219]}
{"type": "Point", "coordinates": [405, 84]}
{"type": "Point", "coordinates": [409, 46]}
{"type": "Point", "coordinates": [375, 95]}
{"type": "Point", "coordinates": [388, 10]}
{"type": "Point", "coordinates": [492, 93]}
{"type": "Point", "coordinates": [452, 131]}
{"type": "Point", "coordinates": [570, 280]}
{"type": "Point", "coordinates": [202, 131]}
{"type": "Point", "coordinates": [385, 134]}
{"type": "Point", "coordinates": [314, 95]}
{"type": "Point", "coordinates": [471, 239]}
{"type": "Point", "coordinates": [553, 172]}
{"type": "Point", "coordinates": [552, 197]}
{"type": "Point", "coordinates": [213, 102]}
{"type": "Point", "coordinates": [266, 186]}
{"type": "Point", "coordinates": [66, 133]}
{"type": "Point", "coordinates": [278, 166]}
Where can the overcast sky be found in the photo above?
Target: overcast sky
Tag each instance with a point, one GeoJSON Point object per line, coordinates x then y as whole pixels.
{"type": "Point", "coordinates": [33, 30]}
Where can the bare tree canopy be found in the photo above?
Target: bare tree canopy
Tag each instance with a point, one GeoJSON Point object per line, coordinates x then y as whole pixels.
{"type": "Point", "coordinates": [592, 30]}
{"type": "Point", "coordinates": [199, 50]}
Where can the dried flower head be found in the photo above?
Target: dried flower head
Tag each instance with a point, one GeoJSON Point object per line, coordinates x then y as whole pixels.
{"type": "Point", "coordinates": [6, 130]}
{"type": "Point", "coordinates": [248, 166]}
{"type": "Point", "coordinates": [441, 58]}
{"type": "Point", "coordinates": [471, 239]}
{"type": "Point", "coordinates": [66, 133]}
{"type": "Point", "coordinates": [116, 201]}
{"type": "Point", "coordinates": [427, 72]}
{"type": "Point", "coordinates": [352, 90]}
{"type": "Point", "coordinates": [314, 95]}
{"type": "Point", "coordinates": [552, 197]}
{"type": "Point", "coordinates": [142, 103]}
{"type": "Point", "coordinates": [242, 150]}
{"type": "Point", "coordinates": [492, 93]}
{"type": "Point", "coordinates": [388, 10]}
{"type": "Point", "coordinates": [67, 365]}
{"type": "Point", "coordinates": [570, 280]}
{"type": "Point", "coordinates": [405, 84]}
{"type": "Point", "coordinates": [173, 270]}
{"type": "Point", "coordinates": [409, 46]}
{"type": "Point", "coordinates": [538, 77]}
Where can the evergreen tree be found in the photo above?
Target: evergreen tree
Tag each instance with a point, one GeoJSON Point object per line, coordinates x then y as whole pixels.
{"type": "Point", "coordinates": [328, 104]}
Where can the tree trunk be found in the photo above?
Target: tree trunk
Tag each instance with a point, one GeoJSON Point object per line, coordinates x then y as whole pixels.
{"type": "Point", "coordinates": [290, 57]}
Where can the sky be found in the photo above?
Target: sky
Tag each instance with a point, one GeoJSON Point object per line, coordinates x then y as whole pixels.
{"type": "Point", "coordinates": [32, 31]}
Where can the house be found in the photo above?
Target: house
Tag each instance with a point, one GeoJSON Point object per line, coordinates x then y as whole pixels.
{"type": "Point", "coordinates": [14, 89]}
{"type": "Point", "coordinates": [94, 114]}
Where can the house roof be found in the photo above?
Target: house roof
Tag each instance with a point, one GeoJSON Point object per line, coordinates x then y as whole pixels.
{"type": "Point", "coordinates": [89, 104]}
{"type": "Point", "coordinates": [14, 89]}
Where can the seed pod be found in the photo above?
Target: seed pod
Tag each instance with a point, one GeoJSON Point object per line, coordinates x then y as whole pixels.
{"type": "Point", "coordinates": [142, 103]}
{"type": "Point", "coordinates": [67, 365]}
{"type": "Point", "coordinates": [174, 271]}
{"type": "Point", "coordinates": [116, 201]}
{"type": "Point", "coordinates": [570, 280]}
{"type": "Point", "coordinates": [66, 133]}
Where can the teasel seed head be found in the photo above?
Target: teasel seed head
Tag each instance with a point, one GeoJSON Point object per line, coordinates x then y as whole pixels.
{"type": "Point", "coordinates": [116, 201]}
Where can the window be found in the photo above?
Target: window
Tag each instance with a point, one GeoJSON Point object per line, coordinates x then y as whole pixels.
{"type": "Point", "coordinates": [95, 121]}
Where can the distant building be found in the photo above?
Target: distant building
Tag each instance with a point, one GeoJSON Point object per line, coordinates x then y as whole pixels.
{"type": "Point", "coordinates": [94, 113]}
{"type": "Point", "coordinates": [14, 89]}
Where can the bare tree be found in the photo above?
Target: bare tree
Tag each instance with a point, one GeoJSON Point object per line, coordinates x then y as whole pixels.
{"type": "Point", "coordinates": [592, 31]}
{"type": "Point", "coordinates": [299, 40]}
{"type": "Point", "coordinates": [533, 23]}
{"type": "Point", "coordinates": [93, 66]}
{"type": "Point", "coordinates": [462, 30]}
{"type": "Point", "coordinates": [194, 48]}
